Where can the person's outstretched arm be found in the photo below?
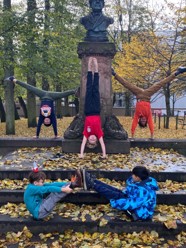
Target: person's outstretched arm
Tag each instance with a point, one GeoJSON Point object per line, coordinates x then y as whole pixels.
{"type": "Point", "coordinates": [134, 124]}
{"type": "Point", "coordinates": [103, 148]}
{"type": "Point", "coordinates": [84, 141]}
{"type": "Point", "coordinates": [39, 124]}
{"type": "Point", "coordinates": [54, 124]}
{"type": "Point", "coordinates": [151, 125]}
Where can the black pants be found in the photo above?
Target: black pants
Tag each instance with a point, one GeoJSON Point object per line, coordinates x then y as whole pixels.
{"type": "Point", "coordinates": [92, 97]}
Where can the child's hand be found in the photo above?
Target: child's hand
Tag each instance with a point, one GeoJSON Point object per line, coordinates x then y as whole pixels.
{"type": "Point", "coordinates": [67, 189]}
{"type": "Point", "coordinates": [81, 156]}
{"type": "Point", "coordinates": [104, 156]}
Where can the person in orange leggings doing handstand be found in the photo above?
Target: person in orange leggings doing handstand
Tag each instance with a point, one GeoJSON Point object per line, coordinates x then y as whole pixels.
{"type": "Point", "coordinates": [143, 113]}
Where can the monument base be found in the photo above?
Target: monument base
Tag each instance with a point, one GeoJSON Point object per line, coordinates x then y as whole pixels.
{"type": "Point", "coordinates": [112, 146]}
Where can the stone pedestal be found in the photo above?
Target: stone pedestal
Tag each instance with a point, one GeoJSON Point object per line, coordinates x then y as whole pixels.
{"type": "Point", "coordinates": [104, 52]}
{"type": "Point", "coordinates": [113, 146]}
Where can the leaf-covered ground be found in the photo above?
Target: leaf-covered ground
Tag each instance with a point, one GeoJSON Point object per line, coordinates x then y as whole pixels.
{"type": "Point", "coordinates": [22, 130]}
{"type": "Point", "coordinates": [169, 215]}
{"type": "Point", "coordinates": [71, 239]}
{"type": "Point", "coordinates": [155, 160]}
{"type": "Point", "coordinates": [99, 212]}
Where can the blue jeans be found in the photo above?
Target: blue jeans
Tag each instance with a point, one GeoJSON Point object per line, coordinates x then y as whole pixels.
{"type": "Point", "coordinates": [92, 97]}
{"type": "Point", "coordinates": [108, 191]}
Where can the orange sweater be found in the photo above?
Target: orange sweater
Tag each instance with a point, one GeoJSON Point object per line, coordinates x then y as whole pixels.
{"type": "Point", "coordinates": [142, 109]}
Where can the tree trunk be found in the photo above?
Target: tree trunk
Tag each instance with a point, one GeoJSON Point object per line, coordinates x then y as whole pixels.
{"type": "Point", "coordinates": [16, 113]}
{"type": "Point", "coordinates": [31, 50]}
{"type": "Point", "coordinates": [8, 70]}
{"type": "Point", "coordinates": [173, 104]}
{"type": "Point", "coordinates": [67, 112]}
{"type": "Point", "coordinates": [45, 84]}
{"type": "Point", "coordinates": [167, 102]}
{"type": "Point", "coordinates": [31, 102]}
{"type": "Point", "coordinates": [59, 113]}
{"type": "Point", "coordinates": [128, 104]}
{"type": "Point", "coordinates": [23, 106]}
{"type": "Point", "coordinates": [2, 111]}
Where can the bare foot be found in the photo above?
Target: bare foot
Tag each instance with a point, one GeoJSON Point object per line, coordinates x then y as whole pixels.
{"type": "Point", "coordinates": [90, 62]}
{"type": "Point", "coordinates": [95, 63]}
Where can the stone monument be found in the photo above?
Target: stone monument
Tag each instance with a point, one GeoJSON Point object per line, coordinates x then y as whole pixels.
{"type": "Point", "coordinates": [96, 44]}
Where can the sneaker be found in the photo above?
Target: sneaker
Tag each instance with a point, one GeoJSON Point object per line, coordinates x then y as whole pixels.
{"type": "Point", "coordinates": [132, 215]}
{"type": "Point", "coordinates": [11, 78]}
{"type": "Point", "coordinates": [113, 72]}
{"type": "Point", "coordinates": [76, 181]}
{"type": "Point", "coordinates": [88, 182]}
{"type": "Point", "coordinates": [180, 70]}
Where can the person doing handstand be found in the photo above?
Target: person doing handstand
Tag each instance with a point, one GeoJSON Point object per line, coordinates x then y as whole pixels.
{"type": "Point", "coordinates": [143, 114]}
{"type": "Point", "coordinates": [47, 113]}
{"type": "Point", "coordinates": [92, 127]}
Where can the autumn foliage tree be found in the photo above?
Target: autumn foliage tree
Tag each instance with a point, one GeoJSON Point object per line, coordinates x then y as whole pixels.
{"type": "Point", "coordinates": [151, 56]}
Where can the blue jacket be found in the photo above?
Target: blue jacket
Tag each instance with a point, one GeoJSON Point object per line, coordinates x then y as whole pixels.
{"type": "Point", "coordinates": [34, 195]}
{"type": "Point", "coordinates": [140, 198]}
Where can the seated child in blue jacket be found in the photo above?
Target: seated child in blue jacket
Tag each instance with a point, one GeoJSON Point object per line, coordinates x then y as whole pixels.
{"type": "Point", "coordinates": [138, 199]}
{"type": "Point", "coordinates": [40, 205]}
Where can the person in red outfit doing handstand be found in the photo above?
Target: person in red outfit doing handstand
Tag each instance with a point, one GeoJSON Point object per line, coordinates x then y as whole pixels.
{"type": "Point", "coordinates": [92, 128]}
{"type": "Point", "coordinates": [143, 114]}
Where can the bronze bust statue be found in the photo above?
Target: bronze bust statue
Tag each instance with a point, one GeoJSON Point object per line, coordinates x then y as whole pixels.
{"type": "Point", "coordinates": [96, 23]}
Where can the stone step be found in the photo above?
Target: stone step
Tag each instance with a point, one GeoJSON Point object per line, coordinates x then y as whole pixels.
{"type": "Point", "coordinates": [9, 144]}
{"type": "Point", "coordinates": [113, 146]}
{"type": "Point", "coordinates": [118, 175]}
{"type": "Point", "coordinates": [90, 197]}
{"type": "Point", "coordinates": [59, 224]}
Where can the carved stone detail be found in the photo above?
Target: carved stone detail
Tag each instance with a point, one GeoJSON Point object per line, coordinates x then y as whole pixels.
{"type": "Point", "coordinates": [113, 129]}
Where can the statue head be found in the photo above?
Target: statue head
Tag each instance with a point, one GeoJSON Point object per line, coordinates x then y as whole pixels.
{"type": "Point", "coordinates": [96, 5]}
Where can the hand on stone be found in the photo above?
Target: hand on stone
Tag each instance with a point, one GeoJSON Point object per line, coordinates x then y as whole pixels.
{"type": "Point", "coordinates": [103, 157]}
{"type": "Point", "coordinates": [81, 156]}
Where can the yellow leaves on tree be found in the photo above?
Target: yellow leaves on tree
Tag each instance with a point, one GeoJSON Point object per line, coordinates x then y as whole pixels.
{"type": "Point", "coordinates": [142, 61]}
